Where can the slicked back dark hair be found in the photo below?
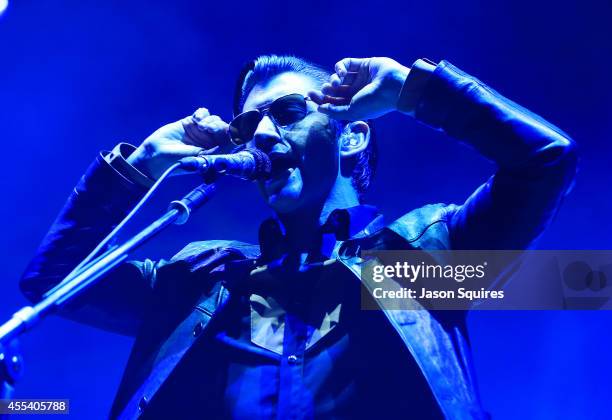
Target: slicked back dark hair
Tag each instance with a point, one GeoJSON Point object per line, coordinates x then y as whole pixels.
{"type": "Point", "coordinates": [265, 67]}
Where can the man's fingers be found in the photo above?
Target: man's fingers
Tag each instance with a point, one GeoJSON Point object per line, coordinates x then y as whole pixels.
{"type": "Point", "coordinates": [196, 134]}
{"type": "Point", "coordinates": [341, 90]}
{"type": "Point", "coordinates": [320, 98]}
{"type": "Point", "coordinates": [340, 67]}
{"type": "Point", "coordinates": [208, 123]}
{"type": "Point", "coordinates": [346, 65]}
{"type": "Point", "coordinates": [218, 125]}
{"type": "Point", "coordinates": [203, 129]}
{"type": "Point", "coordinates": [334, 80]}
{"type": "Point", "coordinates": [200, 114]}
{"type": "Point", "coordinates": [356, 108]}
{"type": "Point", "coordinates": [349, 78]}
{"type": "Point", "coordinates": [336, 100]}
{"type": "Point", "coordinates": [339, 112]}
{"type": "Point", "coordinates": [316, 96]}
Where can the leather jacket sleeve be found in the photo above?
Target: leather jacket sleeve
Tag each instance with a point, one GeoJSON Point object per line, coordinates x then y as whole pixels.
{"type": "Point", "coordinates": [536, 161]}
{"type": "Point", "coordinates": [98, 203]}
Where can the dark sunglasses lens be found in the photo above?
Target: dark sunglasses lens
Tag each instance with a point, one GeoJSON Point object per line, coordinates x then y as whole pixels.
{"type": "Point", "coordinates": [289, 109]}
{"type": "Point", "coordinates": [242, 128]}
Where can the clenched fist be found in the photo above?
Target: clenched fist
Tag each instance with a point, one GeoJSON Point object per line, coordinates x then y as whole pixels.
{"type": "Point", "coordinates": [200, 132]}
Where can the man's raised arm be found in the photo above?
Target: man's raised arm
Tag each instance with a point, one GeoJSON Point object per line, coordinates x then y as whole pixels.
{"type": "Point", "coordinates": [536, 161]}
{"type": "Point", "coordinates": [108, 190]}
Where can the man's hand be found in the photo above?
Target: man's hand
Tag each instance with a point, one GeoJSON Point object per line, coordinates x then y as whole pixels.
{"type": "Point", "coordinates": [200, 132]}
{"type": "Point", "coordinates": [362, 88]}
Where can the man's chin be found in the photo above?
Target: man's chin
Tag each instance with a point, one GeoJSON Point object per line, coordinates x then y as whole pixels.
{"type": "Point", "coordinates": [283, 193]}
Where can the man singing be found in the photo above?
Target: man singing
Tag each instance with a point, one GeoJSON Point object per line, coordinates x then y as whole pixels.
{"type": "Point", "coordinates": [230, 330]}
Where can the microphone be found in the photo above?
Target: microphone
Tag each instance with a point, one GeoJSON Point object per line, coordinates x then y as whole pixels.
{"type": "Point", "coordinates": [249, 164]}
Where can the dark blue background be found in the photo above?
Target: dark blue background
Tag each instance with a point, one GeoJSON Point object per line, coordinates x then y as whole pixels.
{"type": "Point", "coordinates": [77, 77]}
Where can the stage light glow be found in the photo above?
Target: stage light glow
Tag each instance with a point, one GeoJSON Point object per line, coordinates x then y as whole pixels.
{"type": "Point", "coordinates": [3, 6]}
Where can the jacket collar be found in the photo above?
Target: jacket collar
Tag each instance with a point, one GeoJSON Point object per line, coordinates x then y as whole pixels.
{"type": "Point", "coordinates": [340, 225]}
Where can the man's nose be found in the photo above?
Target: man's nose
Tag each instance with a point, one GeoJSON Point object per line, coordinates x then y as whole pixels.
{"type": "Point", "coordinates": [266, 135]}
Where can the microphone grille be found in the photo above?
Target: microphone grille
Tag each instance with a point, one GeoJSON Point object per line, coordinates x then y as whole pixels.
{"type": "Point", "coordinates": [263, 164]}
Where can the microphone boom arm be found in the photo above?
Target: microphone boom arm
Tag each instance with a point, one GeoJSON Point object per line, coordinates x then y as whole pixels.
{"type": "Point", "coordinates": [28, 316]}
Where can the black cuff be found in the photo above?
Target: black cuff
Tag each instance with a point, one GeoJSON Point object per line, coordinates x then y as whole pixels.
{"type": "Point", "coordinates": [117, 159]}
{"type": "Point", "coordinates": [415, 83]}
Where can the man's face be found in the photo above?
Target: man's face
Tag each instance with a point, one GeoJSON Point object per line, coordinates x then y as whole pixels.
{"type": "Point", "coordinates": [306, 152]}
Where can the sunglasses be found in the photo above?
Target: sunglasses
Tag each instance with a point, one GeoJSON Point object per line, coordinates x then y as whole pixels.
{"type": "Point", "coordinates": [284, 111]}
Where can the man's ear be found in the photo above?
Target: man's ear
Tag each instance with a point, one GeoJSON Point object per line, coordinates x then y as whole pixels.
{"type": "Point", "coordinates": [354, 138]}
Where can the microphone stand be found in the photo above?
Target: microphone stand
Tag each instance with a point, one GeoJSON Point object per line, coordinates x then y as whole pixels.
{"type": "Point", "coordinates": [178, 213]}
{"type": "Point", "coordinates": [11, 367]}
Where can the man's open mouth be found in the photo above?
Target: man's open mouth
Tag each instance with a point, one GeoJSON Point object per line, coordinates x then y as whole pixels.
{"type": "Point", "coordinates": [281, 163]}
